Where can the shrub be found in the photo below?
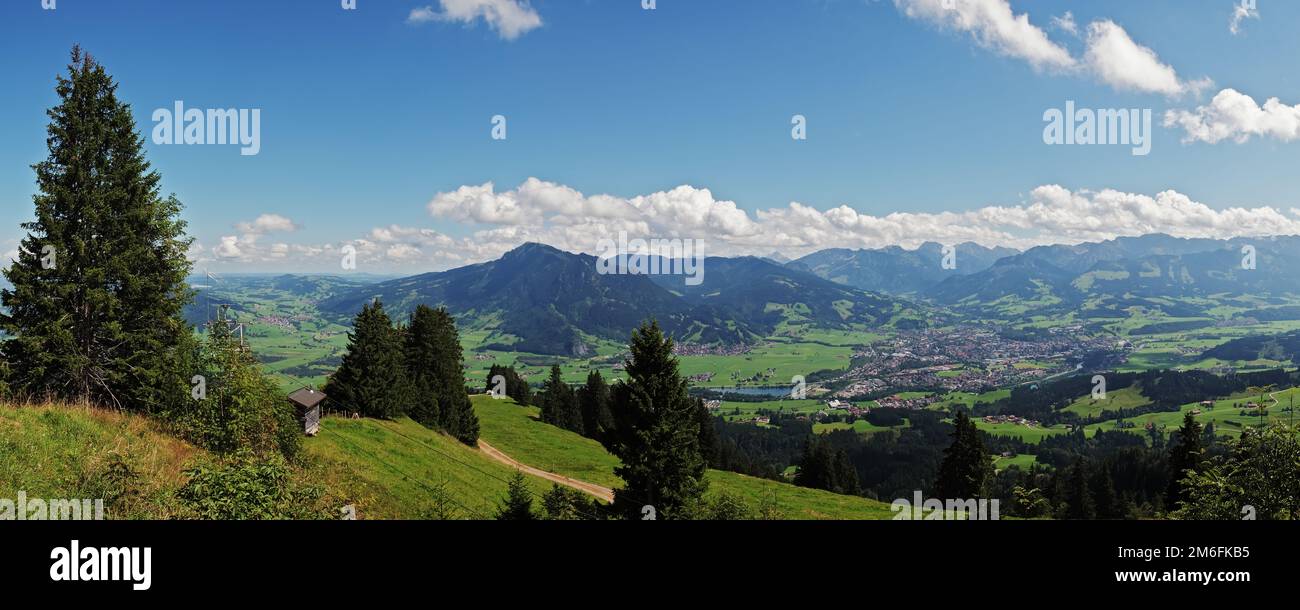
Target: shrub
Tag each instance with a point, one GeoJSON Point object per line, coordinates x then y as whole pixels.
{"type": "Point", "coordinates": [244, 487]}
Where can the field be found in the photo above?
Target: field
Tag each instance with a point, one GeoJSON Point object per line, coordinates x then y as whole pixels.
{"type": "Point", "coordinates": [1225, 415]}
{"type": "Point", "coordinates": [518, 432]}
{"type": "Point", "coordinates": [775, 363]}
{"type": "Point", "coordinates": [563, 452]}
{"type": "Point", "coordinates": [1022, 461]}
{"type": "Point", "coordinates": [860, 426]}
{"type": "Point", "coordinates": [70, 452]}
{"type": "Point", "coordinates": [1124, 398]}
{"type": "Point", "coordinates": [1025, 433]}
{"type": "Point", "coordinates": [389, 469]}
{"type": "Point", "coordinates": [746, 411]}
{"type": "Point", "coordinates": [967, 399]}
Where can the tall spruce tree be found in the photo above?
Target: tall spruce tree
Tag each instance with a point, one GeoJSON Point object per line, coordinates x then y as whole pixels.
{"type": "Point", "coordinates": [1078, 493]}
{"type": "Point", "coordinates": [423, 356]}
{"type": "Point", "coordinates": [94, 314]}
{"type": "Point", "coordinates": [558, 403]}
{"type": "Point", "coordinates": [655, 433]}
{"type": "Point", "coordinates": [455, 412]}
{"type": "Point", "coordinates": [372, 379]}
{"type": "Point", "coordinates": [1184, 458]}
{"type": "Point", "coordinates": [823, 467]}
{"type": "Point", "coordinates": [1102, 485]}
{"type": "Point", "coordinates": [966, 465]}
{"type": "Point", "coordinates": [593, 401]}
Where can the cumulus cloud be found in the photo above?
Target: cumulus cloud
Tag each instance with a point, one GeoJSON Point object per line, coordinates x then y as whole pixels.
{"type": "Point", "coordinates": [245, 247]}
{"type": "Point", "coordinates": [1110, 54]}
{"type": "Point", "coordinates": [1051, 214]}
{"type": "Point", "coordinates": [564, 217]}
{"type": "Point", "coordinates": [1236, 116]}
{"type": "Point", "coordinates": [267, 223]}
{"type": "Point", "coordinates": [1244, 9]}
{"type": "Point", "coordinates": [1118, 61]}
{"type": "Point", "coordinates": [510, 19]}
{"type": "Point", "coordinates": [228, 248]}
{"type": "Point", "coordinates": [993, 25]}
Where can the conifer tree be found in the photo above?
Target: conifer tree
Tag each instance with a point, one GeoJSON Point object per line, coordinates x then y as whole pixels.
{"type": "Point", "coordinates": [94, 314]}
{"type": "Point", "coordinates": [455, 411]}
{"type": "Point", "coordinates": [558, 403]}
{"type": "Point", "coordinates": [515, 387]}
{"type": "Point", "coordinates": [518, 504]}
{"type": "Point", "coordinates": [966, 465]}
{"type": "Point", "coordinates": [372, 378]}
{"type": "Point", "coordinates": [1078, 494]}
{"type": "Point", "coordinates": [593, 401]}
{"type": "Point", "coordinates": [845, 476]}
{"type": "Point", "coordinates": [1102, 485]}
{"type": "Point", "coordinates": [422, 361]}
{"type": "Point", "coordinates": [814, 466]}
{"type": "Point", "coordinates": [1184, 457]}
{"type": "Point", "coordinates": [655, 432]}
{"type": "Point", "coordinates": [824, 467]}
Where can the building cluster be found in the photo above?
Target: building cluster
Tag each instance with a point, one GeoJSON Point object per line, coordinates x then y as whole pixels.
{"type": "Point", "coordinates": [964, 359]}
{"type": "Point", "coordinates": [284, 322]}
{"type": "Point", "coordinates": [692, 349]}
{"type": "Point", "coordinates": [1011, 419]}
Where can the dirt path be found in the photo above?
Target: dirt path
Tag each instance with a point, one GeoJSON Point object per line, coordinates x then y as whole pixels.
{"type": "Point", "coordinates": [604, 493]}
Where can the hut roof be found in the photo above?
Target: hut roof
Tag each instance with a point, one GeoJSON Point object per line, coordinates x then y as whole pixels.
{"type": "Point", "coordinates": [307, 397]}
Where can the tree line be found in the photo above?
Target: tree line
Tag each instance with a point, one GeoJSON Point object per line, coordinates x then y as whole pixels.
{"type": "Point", "coordinates": [413, 369]}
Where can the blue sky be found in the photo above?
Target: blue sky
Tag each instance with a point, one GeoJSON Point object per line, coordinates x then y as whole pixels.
{"type": "Point", "coordinates": [376, 122]}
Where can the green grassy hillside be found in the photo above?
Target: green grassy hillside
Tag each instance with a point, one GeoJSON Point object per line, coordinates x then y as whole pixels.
{"type": "Point", "coordinates": [59, 452]}
{"type": "Point", "coordinates": [516, 431]}
{"type": "Point", "coordinates": [386, 469]}
{"type": "Point", "coordinates": [392, 469]}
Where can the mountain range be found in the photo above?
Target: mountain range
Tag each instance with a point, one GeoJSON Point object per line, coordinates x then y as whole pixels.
{"type": "Point", "coordinates": [539, 299]}
{"type": "Point", "coordinates": [543, 300]}
{"type": "Point", "coordinates": [898, 271]}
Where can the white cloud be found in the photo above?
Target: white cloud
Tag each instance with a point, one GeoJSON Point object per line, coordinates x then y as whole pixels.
{"type": "Point", "coordinates": [1120, 62]}
{"type": "Point", "coordinates": [402, 252]}
{"type": "Point", "coordinates": [1244, 9]}
{"type": "Point", "coordinates": [1052, 214]}
{"type": "Point", "coordinates": [565, 218]}
{"type": "Point", "coordinates": [508, 18]}
{"type": "Point", "coordinates": [267, 223]}
{"type": "Point", "coordinates": [1236, 116]}
{"type": "Point", "coordinates": [1066, 23]}
{"type": "Point", "coordinates": [994, 25]}
{"type": "Point", "coordinates": [228, 248]}
{"type": "Point", "coordinates": [1110, 54]}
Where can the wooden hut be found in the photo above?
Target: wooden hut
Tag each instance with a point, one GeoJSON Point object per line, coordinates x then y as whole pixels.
{"type": "Point", "coordinates": [306, 402]}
